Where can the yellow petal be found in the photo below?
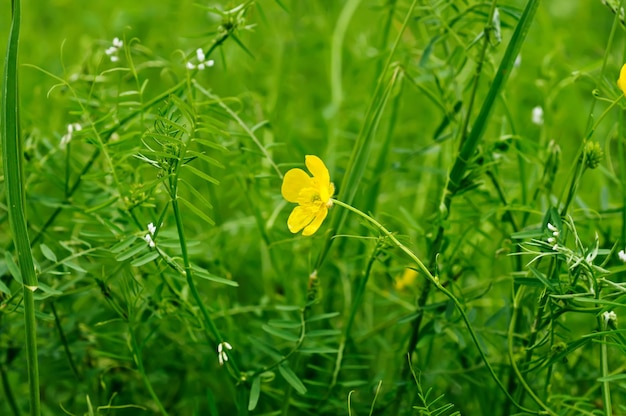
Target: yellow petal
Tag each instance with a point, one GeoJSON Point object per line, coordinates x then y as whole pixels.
{"type": "Point", "coordinates": [299, 218]}
{"type": "Point", "coordinates": [318, 169]}
{"type": "Point", "coordinates": [621, 82]}
{"type": "Point", "coordinates": [294, 181]}
{"type": "Point", "coordinates": [317, 221]}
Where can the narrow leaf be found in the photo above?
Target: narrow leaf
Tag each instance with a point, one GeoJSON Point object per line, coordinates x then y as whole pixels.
{"type": "Point", "coordinates": [255, 392]}
{"type": "Point", "coordinates": [291, 378]}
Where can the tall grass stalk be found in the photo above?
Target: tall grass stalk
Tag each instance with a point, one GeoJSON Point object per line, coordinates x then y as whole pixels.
{"type": "Point", "coordinates": [12, 156]}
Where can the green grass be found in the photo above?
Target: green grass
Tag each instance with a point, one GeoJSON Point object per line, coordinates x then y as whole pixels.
{"type": "Point", "coordinates": [434, 287]}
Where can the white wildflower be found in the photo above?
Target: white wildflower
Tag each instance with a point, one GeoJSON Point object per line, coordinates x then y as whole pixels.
{"type": "Point", "coordinates": [112, 51]}
{"type": "Point", "coordinates": [149, 240]}
{"type": "Point", "coordinates": [202, 61]}
{"type": "Point", "coordinates": [609, 316]}
{"type": "Point", "coordinates": [151, 228]}
{"type": "Point", "coordinates": [71, 128]}
{"type": "Point", "coordinates": [222, 356]}
{"type": "Point", "coordinates": [537, 115]}
{"type": "Point", "coordinates": [622, 255]}
{"type": "Point", "coordinates": [200, 55]}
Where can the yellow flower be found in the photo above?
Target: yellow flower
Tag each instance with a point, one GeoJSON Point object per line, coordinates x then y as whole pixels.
{"type": "Point", "coordinates": [407, 280]}
{"type": "Point", "coordinates": [621, 82]}
{"type": "Point", "coordinates": [312, 194]}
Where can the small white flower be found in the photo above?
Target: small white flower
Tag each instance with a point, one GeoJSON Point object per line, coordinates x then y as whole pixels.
{"type": "Point", "coordinates": [552, 240]}
{"type": "Point", "coordinates": [202, 61]}
{"type": "Point", "coordinates": [200, 55]}
{"type": "Point", "coordinates": [555, 231]}
{"type": "Point", "coordinates": [555, 247]}
{"type": "Point", "coordinates": [622, 255]}
{"type": "Point", "coordinates": [112, 50]}
{"type": "Point", "coordinates": [149, 240]}
{"type": "Point", "coordinates": [609, 316]}
{"type": "Point", "coordinates": [71, 128]}
{"type": "Point", "coordinates": [537, 116]}
{"type": "Point", "coordinates": [151, 228]}
{"type": "Point", "coordinates": [222, 356]}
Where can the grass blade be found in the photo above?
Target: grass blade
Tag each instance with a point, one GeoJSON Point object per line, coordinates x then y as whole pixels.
{"type": "Point", "coordinates": [12, 161]}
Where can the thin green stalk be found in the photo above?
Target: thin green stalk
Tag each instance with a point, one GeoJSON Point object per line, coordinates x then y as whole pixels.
{"type": "Point", "coordinates": [139, 361]}
{"type": "Point", "coordinates": [14, 189]}
{"type": "Point", "coordinates": [8, 392]}
{"type": "Point", "coordinates": [356, 304]}
{"type": "Point", "coordinates": [435, 281]}
{"type": "Point", "coordinates": [66, 347]}
{"type": "Point", "coordinates": [192, 285]}
{"type": "Point", "coordinates": [604, 359]}
{"type": "Point", "coordinates": [514, 366]}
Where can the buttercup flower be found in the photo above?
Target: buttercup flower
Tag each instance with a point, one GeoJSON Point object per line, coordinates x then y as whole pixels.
{"type": "Point", "coordinates": [312, 194]}
{"type": "Point", "coordinates": [621, 81]}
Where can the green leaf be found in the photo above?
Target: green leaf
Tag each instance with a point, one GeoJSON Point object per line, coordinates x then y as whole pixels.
{"type": "Point", "coordinates": [287, 336]}
{"type": "Point", "coordinates": [266, 348]}
{"type": "Point", "coordinates": [207, 159]}
{"type": "Point", "coordinates": [4, 288]}
{"type": "Point", "coordinates": [201, 174]}
{"type": "Point", "coordinates": [323, 316]}
{"type": "Point", "coordinates": [255, 393]}
{"type": "Point", "coordinates": [12, 266]}
{"type": "Point", "coordinates": [47, 253]}
{"type": "Point", "coordinates": [123, 245]}
{"type": "Point", "coordinates": [197, 211]}
{"type": "Point", "coordinates": [291, 378]}
{"type": "Point", "coordinates": [132, 252]}
{"type": "Point", "coordinates": [146, 258]}
{"type": "Point", "coordinates": [203, 274]}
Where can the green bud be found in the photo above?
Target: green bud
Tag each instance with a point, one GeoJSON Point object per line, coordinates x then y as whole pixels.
{"type": "Point", "coordinates": [593, 154]}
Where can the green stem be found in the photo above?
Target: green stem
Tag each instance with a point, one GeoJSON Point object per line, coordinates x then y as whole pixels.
{"type": "Point", "coordinates": [142, 371]}
{"type": "Point", "coordinates": [14, 190]}
{"type": "Point", "coordinates": [604, 359]}
{"type": "Point", "coordinates": [66, 346]}
{"type": "Point", "coordinates": [192, 286]}
{"type": "Point", "coordinates": [514, 366]}
{"type": "Point", "coordinates": [435, 281]}
{"type": "Point", "coordinates": [8, 392]}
